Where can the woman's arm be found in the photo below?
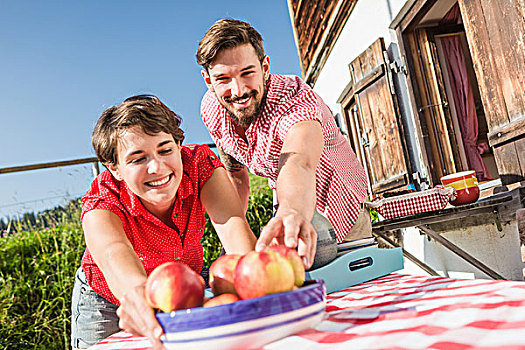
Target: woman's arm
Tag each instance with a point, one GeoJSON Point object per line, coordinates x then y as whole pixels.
{"type": "Point", "coordinates": [223, 205]}
{"type": "Point", "coordinates": [112, 251]}
{"type": "Point", "coordinates": [114, 255]}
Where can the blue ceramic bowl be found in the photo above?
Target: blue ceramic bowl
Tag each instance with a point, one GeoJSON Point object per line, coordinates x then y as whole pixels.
{"type": "Point", "coordinates": [246, 323]}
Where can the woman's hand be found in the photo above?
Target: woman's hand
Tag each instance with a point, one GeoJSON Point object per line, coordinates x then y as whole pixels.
{"type": "Point", "coordinates": [137, 317]}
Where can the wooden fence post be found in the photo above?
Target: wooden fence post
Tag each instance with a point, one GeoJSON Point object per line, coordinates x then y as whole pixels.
{"type": "Point", "coordinates": [96, 170]}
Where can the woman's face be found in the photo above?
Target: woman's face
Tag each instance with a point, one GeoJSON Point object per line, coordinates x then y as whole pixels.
{"type": "Point", "coordinates": [151, 166]}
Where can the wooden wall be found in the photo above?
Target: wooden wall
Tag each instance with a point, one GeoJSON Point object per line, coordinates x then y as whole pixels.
{"type": "Point", "coordinates": [317, 25]}
{"type": "Point", "coordinates": [432, 106]}
{"type": "Point", "coordinates": [496, 34]}
{"type": "Point", "coordinates": [383, 148]}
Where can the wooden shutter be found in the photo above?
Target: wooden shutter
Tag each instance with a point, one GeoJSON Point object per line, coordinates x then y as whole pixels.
{"type": "Point", "coordinates": [372, 118]}
{"type": "Point", "coordinates": [495, 31]}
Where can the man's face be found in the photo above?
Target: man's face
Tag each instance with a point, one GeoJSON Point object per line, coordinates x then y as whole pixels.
{"type": "Point", "coordinates": [238, 80]}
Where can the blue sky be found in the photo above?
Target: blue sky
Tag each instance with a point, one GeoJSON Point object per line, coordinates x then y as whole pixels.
{"type": "Point", "coordinates": [63, 62]}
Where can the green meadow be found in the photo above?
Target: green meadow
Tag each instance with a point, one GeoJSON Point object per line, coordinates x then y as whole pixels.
{"type": "Point", "coordinates": [38, 260]}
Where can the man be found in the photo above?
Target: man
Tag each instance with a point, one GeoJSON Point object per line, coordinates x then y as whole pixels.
{"type": "Point", "coordinates": [279, 128]}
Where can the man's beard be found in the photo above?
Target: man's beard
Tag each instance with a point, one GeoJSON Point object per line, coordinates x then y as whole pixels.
{"type": "Point", "coordinates": [244, 118]}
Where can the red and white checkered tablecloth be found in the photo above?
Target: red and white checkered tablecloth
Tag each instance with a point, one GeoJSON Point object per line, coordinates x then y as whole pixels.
{"type": "Point", "coordinates": [402, 311]}
{"type": "Point", "coordinates": [412, 203]}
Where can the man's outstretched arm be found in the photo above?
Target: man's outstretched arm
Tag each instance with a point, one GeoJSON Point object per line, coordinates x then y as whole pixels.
{"type": "Point", "coordinates": [296, 191]}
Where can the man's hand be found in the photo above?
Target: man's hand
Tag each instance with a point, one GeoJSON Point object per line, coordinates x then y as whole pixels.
{"type": "Point", "coordinates": [290, 228]}
{"type": "Point", "coordinates": [138, 318]}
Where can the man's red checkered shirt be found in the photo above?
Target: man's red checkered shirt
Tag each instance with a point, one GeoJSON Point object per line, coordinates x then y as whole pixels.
{"type": "Point", "coordinates": [341, 180]}
{"type": "Point", "coordinates": [153, 241]}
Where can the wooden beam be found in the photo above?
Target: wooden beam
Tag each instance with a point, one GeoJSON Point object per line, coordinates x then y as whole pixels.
{"type": "Point", "coordinates": [515, 129]}
{"type": "Point", "coordinates": [48, 165]}
{"type": "Point", "coordinates": [320, 45]}
{"type": "Point", "coordinates": [334, 28]}
{"type": "Point", "coordinates": [401, 15]}
{"type": "Point", "coordinates": [415, 13]}
{"type": "Point", "coordinates": [480, 45]}
{"type": "Point", "coordinates": [295, 35]}
{"type": "Point", "coordinates": [460, 252]}
{"type": "Point", "coordinates": [346, 95]}
{"type": "Point", "coordinates": [388, 184]}
{"type": "Point", "coordinates": [369, 78]}
{"type": "Point", "coordinates": [406, 254]}
{"type": "Point", "coordinates": [15, 169]}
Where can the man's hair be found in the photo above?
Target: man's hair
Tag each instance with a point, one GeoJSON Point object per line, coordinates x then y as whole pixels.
{"type": "Point", "coordinates": [145, 111]}
{"type": "Point", "coordinates": [227, 34]}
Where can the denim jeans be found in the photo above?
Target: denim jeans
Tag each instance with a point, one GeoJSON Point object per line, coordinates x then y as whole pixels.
{"type": "Point", "coordinates": [93, 318]}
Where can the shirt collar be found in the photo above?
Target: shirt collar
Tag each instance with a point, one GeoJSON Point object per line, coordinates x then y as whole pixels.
{"type": "Point", "coordinates": [185, 190]}
{"type": "Point", "coordinates": [130, 200]}
{"type": "Point", "coordinates": [274, 92]}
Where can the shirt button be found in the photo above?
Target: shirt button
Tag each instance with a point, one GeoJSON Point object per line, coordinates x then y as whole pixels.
{"type": "Point", "coordinates": [212, 157]}
{"type": "Point", "coordinates": [174, 215]}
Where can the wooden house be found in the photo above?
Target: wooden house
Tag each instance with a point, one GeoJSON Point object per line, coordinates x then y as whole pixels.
{"type": "Point", "coordinates": [389, 69]}
{"type": "Point", "coordinates": [425, 88]}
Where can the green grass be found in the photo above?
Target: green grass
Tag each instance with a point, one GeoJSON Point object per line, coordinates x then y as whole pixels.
{"type": "Point", "coordinates": [258, 213]}
{"type": "Point", "coordinates": [37, 270]}
{"type": "Point", "coordinates": [38, 261]}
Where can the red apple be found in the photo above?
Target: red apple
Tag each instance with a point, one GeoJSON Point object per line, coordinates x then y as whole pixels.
{"type": "Point", "coordinates": [221, 274]}
{"type": "Point", "coordinates": [222, 299]}
{"type": "Point", "coordinates": [262, 273]}
{"type": "Point", "coordinates": [174, 286]}
{"type": "Point", "coordinates": [293, 258]}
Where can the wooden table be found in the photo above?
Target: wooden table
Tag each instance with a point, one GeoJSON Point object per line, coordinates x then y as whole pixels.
{"type": "Point", "coordinates": [500, 207]}
{"type": "Point", "coordinates": [401, 311]}
{"type": "Point", "coordinates": [496, 213]}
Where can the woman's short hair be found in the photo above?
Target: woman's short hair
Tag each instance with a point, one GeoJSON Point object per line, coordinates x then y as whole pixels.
{"type": "Point", "coordinates": [145, 111]}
